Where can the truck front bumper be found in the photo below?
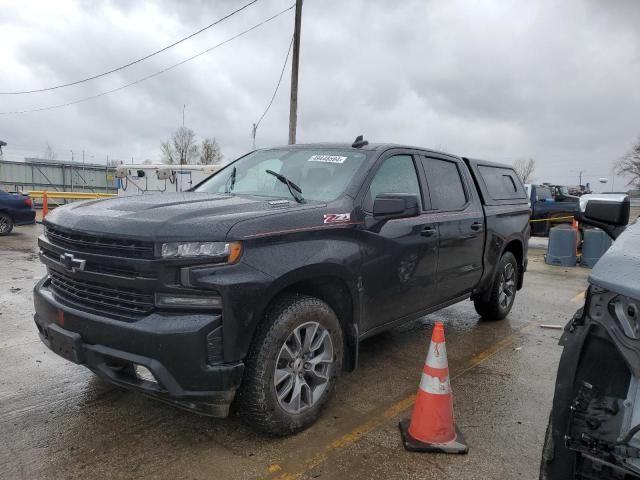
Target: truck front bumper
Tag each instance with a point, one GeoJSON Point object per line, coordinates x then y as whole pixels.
{"type": "Point", "coordinates": [171, 347]}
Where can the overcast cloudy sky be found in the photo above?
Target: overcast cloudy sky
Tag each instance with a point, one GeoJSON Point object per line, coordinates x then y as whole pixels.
{"type": "Point", "coordinates": [556, 81]}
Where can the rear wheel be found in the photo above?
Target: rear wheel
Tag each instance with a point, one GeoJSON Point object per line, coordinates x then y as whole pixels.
{"type": "Point", "coordinates": [6, 224]}
{"type": "Point", "coordinates": [292, 367]}
{"type": "Point", "coordinates": [503, 291]}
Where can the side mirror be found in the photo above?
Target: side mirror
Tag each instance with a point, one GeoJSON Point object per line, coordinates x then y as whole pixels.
{"type": "Point", "coordinates": [610, 212]}
{"type": "Point", "coordinates": [396, 205]}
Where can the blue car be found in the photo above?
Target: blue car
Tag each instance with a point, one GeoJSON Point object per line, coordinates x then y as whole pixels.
{"type": "Point", "coordinates": [15, 209]}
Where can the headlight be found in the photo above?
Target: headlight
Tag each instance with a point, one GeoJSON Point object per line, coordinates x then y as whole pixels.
{"type": "Point", "coordinates": [221, 251]}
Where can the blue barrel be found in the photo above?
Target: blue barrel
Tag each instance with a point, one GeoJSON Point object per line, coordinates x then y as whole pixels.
{"type": "Point", "coordinates": [562, 246]}
{"type": "Point", "coordinates": [596, 242]}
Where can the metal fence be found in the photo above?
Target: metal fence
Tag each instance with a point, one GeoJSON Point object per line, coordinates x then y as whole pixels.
{"type": "Point", "coordinates": [40, 174]}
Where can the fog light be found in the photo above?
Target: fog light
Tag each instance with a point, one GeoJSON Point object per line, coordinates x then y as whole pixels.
{"type": "Point", "coordinates": [143, 373]}
{"type": "Point", "coordinates": [170, 300]}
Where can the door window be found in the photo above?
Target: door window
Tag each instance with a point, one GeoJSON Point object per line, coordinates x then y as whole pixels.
{"type": "Point", "coordinates": [445, 184]}
{"type": "Point", "coordinates": [543, 193]}
{"type": "Point", "coordinates": [397, 174]}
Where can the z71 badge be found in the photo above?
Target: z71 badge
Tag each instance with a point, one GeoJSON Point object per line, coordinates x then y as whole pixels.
{"type": "Point", "coordinates": [337, 218]}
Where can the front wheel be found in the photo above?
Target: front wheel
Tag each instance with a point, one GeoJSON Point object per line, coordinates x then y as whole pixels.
{"type": "Point", "coordinates": [292, 367]}
{"type": "Point", "coordinates": [503, 291]}
{"type": "Point", "coordinates": [6, 224]}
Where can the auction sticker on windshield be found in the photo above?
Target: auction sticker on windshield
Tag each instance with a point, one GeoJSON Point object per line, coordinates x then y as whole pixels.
{"type": "Point", "coordinates": [327, 158]}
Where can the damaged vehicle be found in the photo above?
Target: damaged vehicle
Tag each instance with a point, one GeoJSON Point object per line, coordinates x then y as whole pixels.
{"type": "Point", "coordinates": [255, 287]}
{"type": "Point", "coordinates": [594, 427]}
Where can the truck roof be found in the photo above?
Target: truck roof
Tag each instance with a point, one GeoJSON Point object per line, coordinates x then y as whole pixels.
{"type": "Point", "coordinates": [369, 147]}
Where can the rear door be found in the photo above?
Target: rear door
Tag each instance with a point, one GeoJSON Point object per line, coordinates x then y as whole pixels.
{"type": "Point", "coordinates": [399, 256]}
{"type": "Point", "coordinates": [458, 215]}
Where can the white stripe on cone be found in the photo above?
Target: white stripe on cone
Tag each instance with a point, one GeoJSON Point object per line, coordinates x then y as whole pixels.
{"type": "Point", "coordinates": [437, 356]}
{"type": "Point", "coordinates": [434, 385]}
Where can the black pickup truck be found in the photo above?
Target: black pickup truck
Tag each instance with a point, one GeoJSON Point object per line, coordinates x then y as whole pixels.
{"type": "Point", "coordinates": [256, 286]}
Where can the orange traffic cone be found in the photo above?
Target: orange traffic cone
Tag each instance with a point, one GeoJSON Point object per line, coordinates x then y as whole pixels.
{"type": "Point", "coordinates": [45, 204]}
{"type": "Point", "coordinates": [575, 226]}
{"type": "Point", "coordinates": [431, 427]}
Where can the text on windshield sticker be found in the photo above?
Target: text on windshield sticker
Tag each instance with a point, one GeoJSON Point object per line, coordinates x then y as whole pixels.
{"type": "Point", "coordinates": [327, 158]}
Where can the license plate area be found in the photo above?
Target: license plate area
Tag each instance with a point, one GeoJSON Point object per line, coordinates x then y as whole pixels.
{"type": "Point", "coordinates": [66, 344]}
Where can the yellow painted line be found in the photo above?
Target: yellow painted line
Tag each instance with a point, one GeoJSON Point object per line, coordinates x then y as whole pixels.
{"type": "Point", "coordinates": [552, 219]}
{"type": "Point", "coordinates": [579, 297]}
{"type": "Point", "coordinates": [393, 411]}
{"type": "Point", "coordinates": [70, 195]}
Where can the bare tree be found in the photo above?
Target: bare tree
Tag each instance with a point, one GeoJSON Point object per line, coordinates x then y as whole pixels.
{"type": "Point", "coordinates": [49, 152]}
{"type": "Point", "coordinates": [629, 165]}
{"type": "Point", "coordinates": [210, 153]}
{"type": "Point", "coordinates": [525, 169]}
{"type": "Point", "coordinates": [181, 148]}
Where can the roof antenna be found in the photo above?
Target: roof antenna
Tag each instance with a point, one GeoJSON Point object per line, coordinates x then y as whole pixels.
{"type": "Point", "coordinates": [360, 142]}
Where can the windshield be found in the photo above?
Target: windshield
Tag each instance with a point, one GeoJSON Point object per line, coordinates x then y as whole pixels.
{"type": "Point", "coordinates": [322, 174]}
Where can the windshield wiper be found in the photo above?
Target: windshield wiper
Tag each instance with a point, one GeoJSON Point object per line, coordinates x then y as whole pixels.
{"type": "Point", "coordinates": [232, 179]}
{"type": "Point", "coordinates": [295, 190]}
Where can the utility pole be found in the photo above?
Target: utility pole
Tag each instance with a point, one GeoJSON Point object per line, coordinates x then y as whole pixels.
{"type": "Point", "coordinates": [183, 154]}
{"type": "Point", "coordinates": [293, 106]}
{"type": "Point", "coordinates": [84, 187]}
{"type": "Point", "coordinates": [253, 135]}
{"type": "Point", "coordinates": [71, 170]}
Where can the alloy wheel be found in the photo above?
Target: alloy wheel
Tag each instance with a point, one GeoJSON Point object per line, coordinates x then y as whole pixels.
{"type": "Point", "coordinates": [304, 367]}
{"type": "Point", "coordinates": [507, 285]}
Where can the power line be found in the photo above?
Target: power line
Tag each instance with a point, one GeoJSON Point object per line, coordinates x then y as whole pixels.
{"type": "Point", "coordinates": [275, 92]}
{"type": "Point", "coordinates": [140, 80]}
{"type": "Point", "coordinates": [122, 67]}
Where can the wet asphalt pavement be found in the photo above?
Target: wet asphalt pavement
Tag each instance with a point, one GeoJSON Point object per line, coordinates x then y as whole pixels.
{"type": "Point", "coordinates": [58, 421]}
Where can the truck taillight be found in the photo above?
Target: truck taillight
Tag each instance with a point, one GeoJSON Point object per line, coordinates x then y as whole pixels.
{"type": "Point", "coordinates": [28, 202]}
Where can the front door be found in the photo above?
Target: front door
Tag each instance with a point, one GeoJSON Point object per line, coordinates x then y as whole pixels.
{"type": "Point", "coordinates": [399, 256]}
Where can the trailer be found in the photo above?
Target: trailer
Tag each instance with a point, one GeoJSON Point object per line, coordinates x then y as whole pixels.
{"type": "Point", "coordinates": [137, 179]}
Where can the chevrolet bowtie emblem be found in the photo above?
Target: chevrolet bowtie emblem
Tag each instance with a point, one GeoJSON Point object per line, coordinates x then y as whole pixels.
{"type": "Point", "coordinates": [71, 263]}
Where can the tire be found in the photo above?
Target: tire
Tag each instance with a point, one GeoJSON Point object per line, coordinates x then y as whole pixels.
{"type": "Point", "coordinates": [281, 363]}
{"type": "Point", "coordinates": [6, 224]}
{"type": "Point", "coordinates": [503, 290]}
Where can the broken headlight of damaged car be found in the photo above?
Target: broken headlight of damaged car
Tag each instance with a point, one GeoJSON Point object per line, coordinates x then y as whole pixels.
{"type": "Point", "coordinates": [220, 252]}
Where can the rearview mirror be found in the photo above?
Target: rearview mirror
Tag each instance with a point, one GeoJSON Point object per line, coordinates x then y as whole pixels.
{"type": "Point", "coordinates": [396, 205]}
{"type": "Point", "coordinates": [610, 212]}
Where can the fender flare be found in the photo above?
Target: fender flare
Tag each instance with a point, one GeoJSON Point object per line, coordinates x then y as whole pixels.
{"type": "Point", "coordinates": [485, 292]}
{"type": "Point", "coordinates": [314, 271]}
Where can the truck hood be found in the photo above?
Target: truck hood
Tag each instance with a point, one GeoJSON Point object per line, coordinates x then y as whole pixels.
{"type": "Point", "coordinates": [173, 216]}
{"type": "Point", "coordinates": [619, 269]}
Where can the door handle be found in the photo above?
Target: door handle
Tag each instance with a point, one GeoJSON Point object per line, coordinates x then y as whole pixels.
{"type": "Point", "coordinates": [477, 226]}
{"type": "Point", "coordinates": [428, 231]}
